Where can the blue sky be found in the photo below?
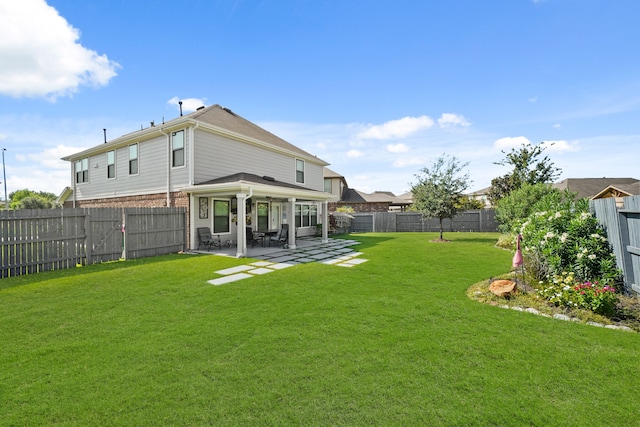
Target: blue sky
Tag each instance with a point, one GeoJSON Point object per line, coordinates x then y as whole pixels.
{"type": "Point", "coordinates": [379, 89]}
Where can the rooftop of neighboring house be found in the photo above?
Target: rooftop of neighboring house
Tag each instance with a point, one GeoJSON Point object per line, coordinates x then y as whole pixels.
{"type": "Point", "coordinates": [354, 196]}
{"type": "Point", "coordinates": [589, 187]}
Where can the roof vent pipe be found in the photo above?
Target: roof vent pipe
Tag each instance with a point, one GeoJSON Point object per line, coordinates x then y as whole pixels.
{"type": "Point", "coordinates": [105, 135]}
{"type": "Point", "coordinates": [180, 104]}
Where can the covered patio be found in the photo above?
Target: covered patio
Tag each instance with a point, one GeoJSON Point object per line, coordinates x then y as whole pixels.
{"type": "Point", "coordinates": [255, 203]}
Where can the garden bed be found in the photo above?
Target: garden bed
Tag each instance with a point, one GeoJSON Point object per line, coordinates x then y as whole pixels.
{"type": "Point", "coordinates": [526, 297]}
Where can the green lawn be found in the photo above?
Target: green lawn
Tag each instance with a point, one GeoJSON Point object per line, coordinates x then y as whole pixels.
{"type": "Point", "coordinates": [393, 341]}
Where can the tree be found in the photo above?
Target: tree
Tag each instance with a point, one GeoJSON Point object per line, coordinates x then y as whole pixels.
{"type": "Point", "coordinates": [28, 199]}
{"type": "Point", "coordinates": [528, 168]}
{"type": "Point", "coordinates": [513, 209]}
{"type": "Point", "coordinates": [439, 188]}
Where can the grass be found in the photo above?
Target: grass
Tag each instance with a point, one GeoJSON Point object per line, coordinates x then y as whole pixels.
{"type": "Point", "coordinates": [393, 341]}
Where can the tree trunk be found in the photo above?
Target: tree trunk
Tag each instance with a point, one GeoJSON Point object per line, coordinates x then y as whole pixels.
{"type": "Point", "coordinates": [440, 228]}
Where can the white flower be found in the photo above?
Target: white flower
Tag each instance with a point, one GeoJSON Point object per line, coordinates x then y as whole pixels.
{"type": "Point", "coordinates": [549, 235]}
{"type": "Point", "coordinates": [580, 255]}
{"type": "Point", "coordinates": [566, 288]}
{"type": "Point", "coordinates": [592, 256]}
{"type": "Point", "coordinates": [585, 215]}
{"type": "Point", "coordinates": [564, 237]}
{"type": "Point", "coordinates": [540, 213]}
{"type": "Point", "coordinates": [558, 214]}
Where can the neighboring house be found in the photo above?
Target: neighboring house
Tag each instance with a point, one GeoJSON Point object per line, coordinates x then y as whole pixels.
{"type": "Point", "coordinates": [378, 201]}
{"type": "Point", "coordinates": [228, 172]}
{"type": "Point", "coordinates": [334, 183]}
{"type": "Point", "coordinates": [482, 195]}
{"type": "Point", "coordinates": [618, 192]}
{"type": "Point", "coordinates": [591, 187]}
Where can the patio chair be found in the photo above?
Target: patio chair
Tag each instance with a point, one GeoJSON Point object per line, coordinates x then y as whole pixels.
{"type": "Point", "coordinates": [252, 238]}
{"type": "Point", "coordinates": [282, 237]}
{"type": "Point", "coordinates": [207, 240]}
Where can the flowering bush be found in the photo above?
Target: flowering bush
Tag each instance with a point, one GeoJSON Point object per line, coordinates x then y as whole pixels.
{"type": "Point", "coordinates": [564, 290]}
{"type": "Point", "coordinates": [562, 235]}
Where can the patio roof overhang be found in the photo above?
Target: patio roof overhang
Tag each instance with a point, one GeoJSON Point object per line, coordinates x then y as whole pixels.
{"type": "Point", "coordinates": [258, 187]}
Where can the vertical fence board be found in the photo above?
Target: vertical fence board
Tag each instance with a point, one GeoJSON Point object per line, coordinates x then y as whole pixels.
{"type": "Point", "coordinates": [33, 241]}
{"type": "Point", "coordinates": [623, 233]}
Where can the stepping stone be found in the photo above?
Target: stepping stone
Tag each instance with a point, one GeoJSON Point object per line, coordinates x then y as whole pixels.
{"type": "Point", "coordinates": [260, 271]}
{"type": "Point", "coordinates": [262, 263]}
{"type": "Point", "coordinates": [229, 279]}
{"type": "Point", "coordinates": [331, 261]}
{"type": "Point", "coordinates": [284, 258]}
{"type": "Point", "coordinates": [305, 260]}
{"type": "Point", "coordinates": [280, 266]}
{"type": "Point", "coordinates": [355, 261]}
{"type": "Point", "coordinates": [233, 270]}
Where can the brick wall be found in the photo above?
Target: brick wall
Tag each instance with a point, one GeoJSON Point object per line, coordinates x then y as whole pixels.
{"type": "Point", "coordinates": [158, 200]}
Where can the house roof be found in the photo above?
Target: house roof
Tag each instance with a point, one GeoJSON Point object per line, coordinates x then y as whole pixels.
{"type": "Point", "coordinates": [622, 190]}
{"type": "Point", "coordinates": [328, 173]}
{"type": "Point", "coordinates": [214, 118]}
{"type": "Point", "coordinates": [252, 178]}
{"type": "Point", "coordinates": [262, 186]}
{"type": "Point", "coordinates": [589, 187]}
{"type": "Point", "coordinates": [351, 195]}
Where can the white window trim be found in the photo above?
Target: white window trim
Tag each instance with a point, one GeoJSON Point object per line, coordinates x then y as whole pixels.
{"type": "Point", "coordinates": [184, 149]}
{"type": "Point", "coordinates": [137, 158]}
{"type": "Point", "coordinates": [115, 162]}
{"type": "Point", "coordinates": [303, 171]}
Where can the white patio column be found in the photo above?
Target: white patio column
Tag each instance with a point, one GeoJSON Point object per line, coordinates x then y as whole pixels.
{"type": "Point", "coordinates": [325, 222]}
{"type": "Point", "coordinates": [241, 232]}
{"type": "Point", "coordinates": [193, 241]}
{"type": "Point", "coordinates": [291, 220]}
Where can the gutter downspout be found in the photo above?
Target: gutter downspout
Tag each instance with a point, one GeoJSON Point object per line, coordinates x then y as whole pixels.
{"type": "Point", "coordinates": [168, 201]}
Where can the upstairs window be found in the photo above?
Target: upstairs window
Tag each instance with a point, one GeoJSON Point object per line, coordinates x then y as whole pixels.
{"type": "Point", "coordinates": [133, 159]}
{"type": "Point", "coordinates": [111, 164]}
{"type": "Point", "coordinates": [327, 185]}
{"type": "Point", "coordinates": [82, 171]}
{"type": "Point", "coordinates": [177, 148]}
{"type": "Point", "coordinates": [300, 171]}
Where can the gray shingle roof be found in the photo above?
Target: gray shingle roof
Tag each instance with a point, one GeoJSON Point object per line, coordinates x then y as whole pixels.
{"type": "Point", "coordinates": [589, 187]}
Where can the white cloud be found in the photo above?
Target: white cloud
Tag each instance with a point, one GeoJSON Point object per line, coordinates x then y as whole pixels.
{"type": "Point", "coordinates": [407, 161]}
{"type": "Point", "coordinates": [533, 99]}
{"type": "Point", "coordinates": [511, 142]}
{"type": "Point", "coordinates": [561, 146]}
{"type": "Point", "coordinates": [400, 128]}
{"type": "Point", "coordinates": [447, 120]}
{"type": "Point", "coordinates": [353, 154]}
{"type": "Point", "coordinates": [40, 55]}
{"type": "Point", "coordinates": [188, 104]}
{"type": "Point", "coordinates": [397, 148]}
{"type": "Point", "coordinates": [557, 126]}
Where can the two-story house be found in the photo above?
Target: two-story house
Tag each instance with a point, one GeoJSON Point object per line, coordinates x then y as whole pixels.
{"type": "Point", "coordinates": [228, 172]}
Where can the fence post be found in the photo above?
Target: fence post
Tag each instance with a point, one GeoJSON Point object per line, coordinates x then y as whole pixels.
{"type": "Point", "coordinates": [88, 243]}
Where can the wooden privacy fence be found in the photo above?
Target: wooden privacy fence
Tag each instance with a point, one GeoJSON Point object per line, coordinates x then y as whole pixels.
{"type": "Point", "coordinates": [481, 220]}
{"type": "Point", "coordinates": [623, 231]}
{"type": "Point", "coordinates": [38, 240]}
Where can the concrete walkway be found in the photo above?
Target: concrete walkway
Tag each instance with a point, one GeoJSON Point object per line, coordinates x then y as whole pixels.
{"type": "Point", "coordinates": [337, 252]}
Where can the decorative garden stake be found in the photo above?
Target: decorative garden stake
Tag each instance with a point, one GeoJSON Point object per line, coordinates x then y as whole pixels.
{"type": "Point", "coordinates": [517, 258]}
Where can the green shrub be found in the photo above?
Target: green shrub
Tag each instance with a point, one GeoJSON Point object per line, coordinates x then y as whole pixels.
{"type": "Point", "coordinates": [518, 205]}
{"type": "Point", "coordinates": [562, 235]}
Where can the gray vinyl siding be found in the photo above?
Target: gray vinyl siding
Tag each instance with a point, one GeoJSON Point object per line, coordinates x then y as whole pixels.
{"type": "Point", "coordinates": [153, 163]}
{"type": "Point", "coordinates": [217, 156]}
